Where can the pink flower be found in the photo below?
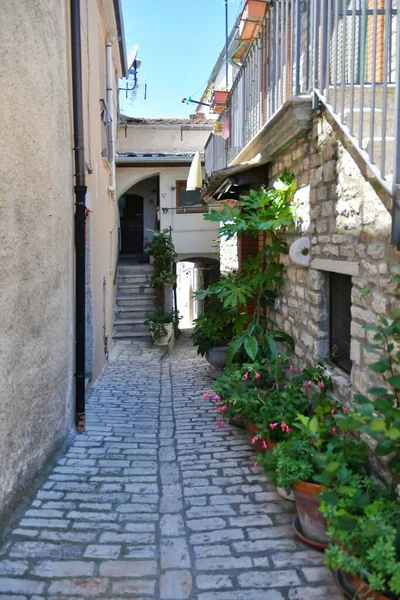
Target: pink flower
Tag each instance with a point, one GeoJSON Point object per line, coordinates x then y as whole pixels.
{"type": "Point", "coordinates": [223, 409]}
{"type": "Point", "coordinates": [308, 384]}
{"type": "Point", "coordinates": [257, 375]}
{"type": "Point", "coordinates": [273, 425]}
{"type": "Point", "coordinates": [283, 426]}
{"type": "Point", "coordinates": [345, 409]}
{"type": "Point", "coordinates": [217, 398]}
{"type": "Point", "coordinates": [246, 375]}
{"type": "Point", "coordinates": [334, 431]}
{"type": "Point", "coordinates": [287, 430]}
{"type": "Point", "coordinates": [332, 411]}
{"type": "Point", "coordinates": [220, 423]}
{"type": "Point", "coordinates": [254, 439]}
{"type": "Point", "coordinates": [255, 464]}
{"type": "Point", "coordinates": [264, 445]}
{"type": "Point", "coordinates": [291, 368]}
{"type": "Point", "coordinates": [208, 395]}
{"type": "Point", "coordinates": [322, 385]}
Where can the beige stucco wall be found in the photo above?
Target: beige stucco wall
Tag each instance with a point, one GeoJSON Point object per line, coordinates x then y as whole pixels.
{"type": "Point", "coordinates": [36, 233]}
{"type": "Point", "coordinates": [102, 229]}
{"type": "Point", "coordinates": [192, 235]}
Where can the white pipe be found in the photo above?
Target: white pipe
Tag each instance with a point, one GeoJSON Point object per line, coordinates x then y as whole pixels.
{"type": "Point", "coordinates": [110, 103]}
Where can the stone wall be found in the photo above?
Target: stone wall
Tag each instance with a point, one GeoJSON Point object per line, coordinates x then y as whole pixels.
{"type": "Point", "coordinates": [349, 229]}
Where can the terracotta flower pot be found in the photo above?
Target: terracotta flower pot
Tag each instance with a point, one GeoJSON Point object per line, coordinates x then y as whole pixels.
{"type": "Point", "coordinates": [364, 591]}
{"type": "Point", "coordinates": [312, 522]}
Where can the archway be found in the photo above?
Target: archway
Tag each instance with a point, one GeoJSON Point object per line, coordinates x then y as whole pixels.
{"type": "Point", "coordinates": [138, 212]}
{"type": "Point", "coordinates": [193, 274]}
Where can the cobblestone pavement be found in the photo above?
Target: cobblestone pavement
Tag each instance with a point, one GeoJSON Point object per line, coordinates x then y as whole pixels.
{"type": "Point", "coordinates": [156, 501]}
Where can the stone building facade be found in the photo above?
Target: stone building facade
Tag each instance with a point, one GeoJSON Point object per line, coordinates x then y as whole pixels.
{"type": "Point", "coordinates": [348, 224]}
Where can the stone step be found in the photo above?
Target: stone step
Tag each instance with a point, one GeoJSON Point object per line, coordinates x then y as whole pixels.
{"type": "Point", "coordinates": [131, 313]}
{"type": "Point", "coordinates": [135, 290]}
{"type": "Point", "coordinates": [129, 325]}
{"type": "Point", "coordinates": [138, 337]}
{"type": "Point", "coordinates": [138, 279]}
{"type": "Point", "coordinates": [123, 294]}
{"type": "Point", "coordinates": [142, 302]}
{"type": "Point", "coordinates": [135, 269]}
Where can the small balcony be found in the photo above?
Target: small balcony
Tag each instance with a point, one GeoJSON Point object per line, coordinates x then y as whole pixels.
{"type": "Point", "coordinates": [336, 54]}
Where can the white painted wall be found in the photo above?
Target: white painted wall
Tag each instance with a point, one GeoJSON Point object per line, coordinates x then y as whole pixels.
{"type": "Point", "coordinates": [188, 282]}
{"type": "Point", "coordinates": [168, 139]}
{"type": "Point", "coordinates": [192, 235]}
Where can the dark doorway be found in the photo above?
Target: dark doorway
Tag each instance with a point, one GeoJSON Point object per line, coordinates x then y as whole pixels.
{"type": "Point", "coordinates": [132, 225]}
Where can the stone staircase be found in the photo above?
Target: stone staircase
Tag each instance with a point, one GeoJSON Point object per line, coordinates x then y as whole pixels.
{"type": "Point", "coordinates": [135, 298]}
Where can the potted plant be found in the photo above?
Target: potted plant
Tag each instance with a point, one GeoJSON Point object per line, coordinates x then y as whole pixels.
{"type": "Point", "coordinates": [219, 98]}
{"type": "Point", "coordinates": [363, 518]}
{"type": "Point", "coordinates": [307, 462]}
{"type": "Point", "coordinates": [364, 526]}
{"type": "Point", "coordinates": [213, 330]}
{"type": "Point", "coordinates": [161, 325]}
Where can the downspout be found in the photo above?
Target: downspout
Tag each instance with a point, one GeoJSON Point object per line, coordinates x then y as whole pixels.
{"type": "Point", "coordinates": [112, 187]}
{"type": "Point", "coordinates": [80, 198]}
{"type": "Point", "coordinates": [110, 104]}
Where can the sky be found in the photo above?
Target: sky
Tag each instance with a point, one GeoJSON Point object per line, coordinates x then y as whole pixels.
{"type": "Point", "coordinates": [179, 43]}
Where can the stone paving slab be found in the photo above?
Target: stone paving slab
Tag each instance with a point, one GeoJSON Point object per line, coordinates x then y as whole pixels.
{"type": "Point", "coordinates": [155, 501]}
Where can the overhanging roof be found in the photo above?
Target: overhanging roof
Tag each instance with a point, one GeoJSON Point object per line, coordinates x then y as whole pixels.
{"type": "Point", "coordinates": [121, 35]}
{"type": "Point", "coordinates": [290, 121]}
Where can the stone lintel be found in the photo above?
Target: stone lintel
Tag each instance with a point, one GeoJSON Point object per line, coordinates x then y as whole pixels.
{"type": "Point", "coordinates": [336, 266]}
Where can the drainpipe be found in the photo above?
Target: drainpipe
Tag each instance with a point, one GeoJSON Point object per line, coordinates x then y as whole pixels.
{"type": "Point", "coordinates": [80, 198]}
{"type": "Point", "coordinates": [110, 104]}
{"type": "Point", "coordinates": [112, 187]}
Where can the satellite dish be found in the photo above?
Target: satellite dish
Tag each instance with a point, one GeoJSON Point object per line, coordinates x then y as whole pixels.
{"type": "Point", "coordinates": [133, 62]}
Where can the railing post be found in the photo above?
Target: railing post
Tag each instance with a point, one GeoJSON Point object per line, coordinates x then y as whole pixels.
{"type": "Point", "coordinates": [324, 46]}
{"type": "Point", "coordinates": [298, 46]}
{"type": "Point", "coordinates": [316, 49]}
{"type": "Point", "coordinates": [396, 166]}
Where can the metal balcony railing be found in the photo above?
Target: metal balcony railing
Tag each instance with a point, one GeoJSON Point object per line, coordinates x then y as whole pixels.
{"type": "Point", "coordinates": [340, 52]}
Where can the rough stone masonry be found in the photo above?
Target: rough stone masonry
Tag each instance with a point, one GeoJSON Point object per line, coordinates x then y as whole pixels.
{"type": "Point", "coordinates": [156, 501]}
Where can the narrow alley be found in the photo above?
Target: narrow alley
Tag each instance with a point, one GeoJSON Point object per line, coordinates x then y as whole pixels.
{"type": "Point", "coordinates": [156, 501]}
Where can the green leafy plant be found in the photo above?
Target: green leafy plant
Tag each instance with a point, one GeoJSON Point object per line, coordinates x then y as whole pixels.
{"type": "Point", "coordinates": [158, 321]}
{"type": "Point", "coordinates": [316, 453]}
{"type": "Point", "coordinates": [378, 414]}
{"type": "Point", "coordinates": [264, 211]}
{"type": "Point", "coordinates": [164, 278]}
{"type": "Point", "coordinates": [163, 252]}
{"type": "Point", "coordinates": [213, 328]}
{"type": "Point", "coordinates": [364, 526]}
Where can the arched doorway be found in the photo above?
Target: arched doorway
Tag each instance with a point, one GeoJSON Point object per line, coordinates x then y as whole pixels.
{"type": "Point", "coordinates": [131, 219]}
{"type": "Point", "coordinates": [138, 212]}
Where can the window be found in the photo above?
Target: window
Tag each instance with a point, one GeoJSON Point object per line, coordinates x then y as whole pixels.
{"type": "Point", "coordinates": [340, 319]}
{"type": "Point", "coordinates": [188, 200]}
